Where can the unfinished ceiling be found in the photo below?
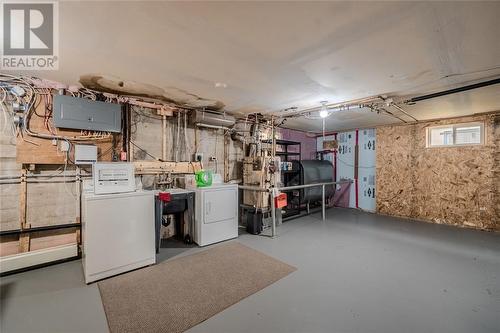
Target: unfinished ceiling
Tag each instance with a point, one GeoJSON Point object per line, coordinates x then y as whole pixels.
{"type": "Point", "coordinates": [268, 56]}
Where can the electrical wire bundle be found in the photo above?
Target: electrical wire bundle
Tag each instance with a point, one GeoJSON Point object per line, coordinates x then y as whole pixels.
{"type": "Point", "coordinates": [25, 97]}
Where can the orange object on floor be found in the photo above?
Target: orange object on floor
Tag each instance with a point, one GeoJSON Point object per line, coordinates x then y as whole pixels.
{"type": "Point", "coordinates": [280, 200]}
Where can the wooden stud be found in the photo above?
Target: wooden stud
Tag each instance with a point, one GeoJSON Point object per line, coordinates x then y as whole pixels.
{"type": "Point", "coordinates": [155, 167]}
{"type": "Point", "coordinates": [164, 138]}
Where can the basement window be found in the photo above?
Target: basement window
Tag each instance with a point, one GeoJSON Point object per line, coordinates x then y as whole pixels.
{"type": "Point", "coordinates": [455, 135]}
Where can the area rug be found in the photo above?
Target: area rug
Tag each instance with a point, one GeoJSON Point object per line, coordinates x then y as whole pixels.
{"type": "Point", "coordinates": [178, 294]}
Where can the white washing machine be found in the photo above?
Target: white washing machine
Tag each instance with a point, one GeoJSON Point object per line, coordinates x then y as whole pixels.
{"type": "Point", "coordinates": [118, 233]}
{"type": "Point", "coordinates": [216, 213]}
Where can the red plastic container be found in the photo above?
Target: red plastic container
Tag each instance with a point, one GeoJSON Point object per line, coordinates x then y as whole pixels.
{"type": "Point", "coordinates": [280, 200]}
{"type": "Point", "coordinates": [165, 196]}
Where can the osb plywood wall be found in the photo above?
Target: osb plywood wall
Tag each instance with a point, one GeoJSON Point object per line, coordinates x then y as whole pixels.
{"type": "Point", "coordinates": [450, 185]}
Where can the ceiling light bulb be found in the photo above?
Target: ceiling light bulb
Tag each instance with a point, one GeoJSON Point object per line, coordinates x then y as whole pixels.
{"type": "Point", "coordinates": [323, 113]}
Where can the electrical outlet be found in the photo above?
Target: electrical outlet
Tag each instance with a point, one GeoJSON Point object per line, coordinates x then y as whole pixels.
{"type": "Point", "coordinates": [212, 158]}
{"type": "Point", "coordinates": [198, 157]}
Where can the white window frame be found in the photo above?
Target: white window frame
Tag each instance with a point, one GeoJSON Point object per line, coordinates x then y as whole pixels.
{"type": "Point", "coordinates": [482, 136]}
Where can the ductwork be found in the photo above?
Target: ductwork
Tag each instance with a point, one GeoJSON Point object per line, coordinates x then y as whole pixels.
{"type": "Point", "coordinates": [213, 119]}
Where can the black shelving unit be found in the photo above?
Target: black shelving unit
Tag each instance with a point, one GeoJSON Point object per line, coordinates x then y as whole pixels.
{"type": "Point", "coordinates": [290, 177]}
{"type": "Point", "coordinates": [320, 154]}
{"type": "Point", "coordinates": [285, 144]}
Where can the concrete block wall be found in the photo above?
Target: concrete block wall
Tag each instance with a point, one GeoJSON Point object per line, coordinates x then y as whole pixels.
{"type": "Point", "coordinates": [9, 193]}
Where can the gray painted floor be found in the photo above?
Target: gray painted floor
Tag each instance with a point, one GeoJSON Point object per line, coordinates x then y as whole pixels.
{"type": "Point", "coordinates": [357, 272]}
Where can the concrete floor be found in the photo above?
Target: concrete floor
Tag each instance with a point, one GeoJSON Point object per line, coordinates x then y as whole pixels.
{"type": "Point", "coordinates": [357, 272]}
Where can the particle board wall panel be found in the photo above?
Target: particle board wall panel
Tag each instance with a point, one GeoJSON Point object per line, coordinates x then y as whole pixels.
{"type": "Point", "coordinates": [496, 172]}
{"type": "Point", "coordinates": [395, 188]}
{"type": "Point", "coordinates": [446, 185]}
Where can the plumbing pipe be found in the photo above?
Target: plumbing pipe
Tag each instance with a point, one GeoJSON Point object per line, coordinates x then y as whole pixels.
{"type": "Point", "coordinates": [390, 103]}
{"type": "Point", "coordinates": [273, 213]}
{"type": "Point", "coordinates": [177, 145]}
{"type": "Point", "coordinates": [164, 137]}
{"type": "Point", "coordinates": [453, 91]}
{"type": "Point", "coordinates": [403, 111]}
{"type": "Point", "coordinates": [323, 214]}
{"type": "Point", "coordinates": [212, 126]}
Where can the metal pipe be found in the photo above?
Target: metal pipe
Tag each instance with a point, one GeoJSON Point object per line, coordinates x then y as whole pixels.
{"type": "Point", "coordinates": [37, 229]}
{"type": "Point", "coordinates": [43, 176]}
{"type": "Point", "coordinates": [177, 145]}
{"type": "Point", "coordinates": [57, 176]}
{"type": "Point", "coordinates": [323, 203]}
{"type": "Point", "coordinates": [9, 177]}
{"type": "Point", "coordinates": [391, 114]}
{"type": "Point", "coordinates": [253, 188]}
{"type": "Point", "coordinates": [273, 139]}
{"type": "Point", "coordinates": [164, 137]}
{"type": "Point", "coordinates": [212, 126]}
{"type": "Point", "coordinates": [397, 107]}
{"type": "Point", "coordinates": [10, 182]}
{"type": "Point", "coordinates": [51, 181]}
{"type": "Point", "coordinates": [403, 111]}
{"type": "Point", "coordinates": [297, 187]}
{"type": "Point", "coordinates": [357, 103]}
{"type": "Point", "coordinates": [454, 90]}
{"type": "Point", "coordinates": [273, 214]}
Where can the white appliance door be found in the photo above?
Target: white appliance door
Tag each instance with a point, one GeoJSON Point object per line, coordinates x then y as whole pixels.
{"type": "Point", "coordinates": [119, 232]}
{"type": "Point", "coordinates": [219, 204]}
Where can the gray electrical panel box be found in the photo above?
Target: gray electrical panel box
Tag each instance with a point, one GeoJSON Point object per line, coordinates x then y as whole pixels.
{"type": "Point", "coordinates": [85, 114]}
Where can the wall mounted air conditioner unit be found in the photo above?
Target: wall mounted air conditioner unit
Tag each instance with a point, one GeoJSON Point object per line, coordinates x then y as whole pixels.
{"type": "Point", "coordinates": [213, 119]}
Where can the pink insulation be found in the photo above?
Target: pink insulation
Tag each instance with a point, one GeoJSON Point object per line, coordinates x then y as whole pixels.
{"type": "Point", "coordinates": [308, 143]}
